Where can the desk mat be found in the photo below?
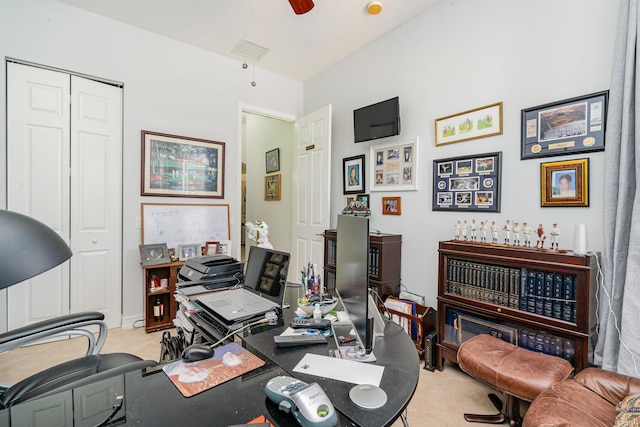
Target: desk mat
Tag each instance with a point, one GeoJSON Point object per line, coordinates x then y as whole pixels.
{"type": "Point", "coordinates": [228, 362]}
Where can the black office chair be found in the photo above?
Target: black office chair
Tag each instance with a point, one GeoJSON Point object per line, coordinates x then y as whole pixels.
{"type": "Point", "coordinates": [34, 249]}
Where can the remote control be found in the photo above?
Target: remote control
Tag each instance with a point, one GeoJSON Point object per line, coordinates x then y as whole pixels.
{"type": "Point", "coordinates": [301, 323]}
{"type": "Point", "coordinates": [296, 340]}
{"type": "Point", "coordinates": [308, 403]}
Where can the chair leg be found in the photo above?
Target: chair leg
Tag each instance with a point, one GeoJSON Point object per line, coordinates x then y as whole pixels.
{"type": "Point", "coordinates": [509, 412]}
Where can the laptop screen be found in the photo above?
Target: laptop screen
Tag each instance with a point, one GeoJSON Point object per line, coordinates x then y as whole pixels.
{"type": "Point", "coordinates": [267, 272]}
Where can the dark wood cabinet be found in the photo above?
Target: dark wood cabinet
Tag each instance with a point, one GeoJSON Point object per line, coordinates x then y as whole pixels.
{"type": "Point", "coordinates": [162, 295]}
{"type": "Point", "coordinates": [542, 300]}
{"type": "Point", "coordinates": [385, 255]}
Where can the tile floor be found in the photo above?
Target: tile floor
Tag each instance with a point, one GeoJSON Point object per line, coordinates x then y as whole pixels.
{"type": "Point", "coordinates": [440, 399]}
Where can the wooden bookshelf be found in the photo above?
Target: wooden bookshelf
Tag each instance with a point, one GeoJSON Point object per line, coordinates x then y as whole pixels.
{"type": "Point", "coordinates": [384, 265]}
{"type": "Point", "coordinates": [538, 299]}
{"type": "Point", "coordinates": [161, 271]}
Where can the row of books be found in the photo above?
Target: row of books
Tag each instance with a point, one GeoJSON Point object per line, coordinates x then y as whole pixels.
{"type": "Point", "coordinates": [548, 294]}
{"type": "Point", "coordinates": [540, 292]}
{"type": "Point", "coordinates": [407, 307]}
{"type": "Point", "coordinates": [374, 257]}
{"type": "Point", "coordinates": [460, 326]}
{"type": "Point", "coordinates": [542, 342]}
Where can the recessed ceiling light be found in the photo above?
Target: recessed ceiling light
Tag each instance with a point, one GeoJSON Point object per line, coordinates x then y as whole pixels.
{"type": "Point", "coordinates": [374, 8]}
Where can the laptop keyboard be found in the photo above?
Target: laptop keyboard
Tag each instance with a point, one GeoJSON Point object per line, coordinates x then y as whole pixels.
{"type": "Point", "coordinates": [243, 297]}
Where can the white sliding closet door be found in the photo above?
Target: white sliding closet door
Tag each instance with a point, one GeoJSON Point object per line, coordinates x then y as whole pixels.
{"type": "Point", "coordinates": [64, 168]}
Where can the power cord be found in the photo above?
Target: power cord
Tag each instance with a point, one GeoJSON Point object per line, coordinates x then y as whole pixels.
{"type": "Point", "coordinates": [600, 282]}
{"type": "Point", "coordinates": [245, 327]}
{"type": "Point", "coordinates": [116, 407]}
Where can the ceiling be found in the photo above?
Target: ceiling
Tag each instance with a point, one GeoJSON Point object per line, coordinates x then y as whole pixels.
{"type": "Point", "coordinates": [300, 46]}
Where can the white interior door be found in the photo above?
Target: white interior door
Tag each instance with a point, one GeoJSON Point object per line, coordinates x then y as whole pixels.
{"type": "Point", "coordinates": [311, 187]}
{"type": "Point", "coordinates": [64, 168]}
{"type": "Point", "coordinates": [96, 201]}
{"type": "Point", "coordinates": [38, 180]}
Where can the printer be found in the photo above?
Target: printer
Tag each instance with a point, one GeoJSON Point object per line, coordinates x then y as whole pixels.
{"type": "Point", "coordinates": [211, 272]}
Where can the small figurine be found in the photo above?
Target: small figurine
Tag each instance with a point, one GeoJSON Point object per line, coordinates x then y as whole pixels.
{"type": "Point", "coordinates": [472, 228]}
{"type": "Point", "coordinates": [555, 236]}
{"type": "Point", "coordinates": [526, 231]}
{"type": "Point", "coordinates": [465, 228]}
{"type": "Point", "coordinates": [456, 231]}
{"type": "Point", "coordinates": [541, 237]}
{"type": "Point", "coordinates": [507, 232]}
{"type": "Point", "coordinates": [516, 234]}
{"type": "Point", "coordinates": [494, 232]}
{"type": "Point", "coordinates": [483, 231]}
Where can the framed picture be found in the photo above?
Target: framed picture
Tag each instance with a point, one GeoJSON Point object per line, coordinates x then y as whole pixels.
{"type": "Point", "coordinates": [391, 206]}
{"type": "Point", "coordinates": [473, 124]}
{"type": "Point", "coordinates": [353, 175]}
{"type": "Point", "coordinates": [189, 250]}
{"type": "Point", "coordinates": [180, 166]}
{"type": "Point", "coordinates": [571, 126]}
{"type": "Point", "coordinates": [210, 248]}
{"type": "Point", "coordinates": [364, 198]}
{"type": "Point", "coordinates": [394, 166]}
{"type": "Point", "coordinates": [273, 160]}
{"type": "Point", "coordinates": [154, 254]}
{"type": "Point", "coordinates": [565, 183]}
{"type": "Point", "coordinates": [224, 247]}
{"type": "Point", "coordinates": [349, 198]}
{"type": "Point", "coordinates": [469, 183]}
{"type": "Point", "coordinates": [272, 187]}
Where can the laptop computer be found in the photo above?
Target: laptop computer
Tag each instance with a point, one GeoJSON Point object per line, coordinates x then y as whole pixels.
{"type": "Point", "coordinates": [263, 289]}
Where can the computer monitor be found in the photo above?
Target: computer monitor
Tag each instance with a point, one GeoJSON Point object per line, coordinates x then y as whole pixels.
{"type": "Point", "coordinates": [352, 274]}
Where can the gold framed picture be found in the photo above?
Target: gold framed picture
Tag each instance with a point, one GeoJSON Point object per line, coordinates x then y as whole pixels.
{"type": "Point", "coordinates": [565, 183]}
{"type": "Point", "coordinates": [272, 187]}
{"type": "Point", "coordinates": [472, 124]}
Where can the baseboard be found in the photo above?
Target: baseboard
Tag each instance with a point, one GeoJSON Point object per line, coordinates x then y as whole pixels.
{"type": "Point", "coordinates": [128, 322]}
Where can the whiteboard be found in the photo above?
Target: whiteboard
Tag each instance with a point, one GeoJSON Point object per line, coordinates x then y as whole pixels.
{"type": "Point", "coordinates": [178, 224]}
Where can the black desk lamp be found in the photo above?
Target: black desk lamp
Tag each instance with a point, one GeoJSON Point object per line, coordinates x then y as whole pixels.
{"type": "Point", "coordinates": [27, 248]}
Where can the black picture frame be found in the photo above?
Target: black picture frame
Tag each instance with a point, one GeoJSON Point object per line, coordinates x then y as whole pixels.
{"type": "Point", "coordinates": [468, 183]}
{"type": "Point", "coordinates": [353, 184]}
{"type": "Point", "coordinates": [272, 160]}
{"type": "Point", "coordinates": [364, 198]}
{"type": "Point", "coordinates": [574, 125]}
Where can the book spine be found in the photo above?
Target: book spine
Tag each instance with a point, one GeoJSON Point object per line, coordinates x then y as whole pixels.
{"type": "Point", "coordinates": [514, 296]}
{"type": "Point", "coordinates": [539, 342]}
{"type": "Point", "coordinates": [557, 297]}
{"type": "Point", "coordinates": [523, 289]}
{"type": "Point", "coordinates": [547, 308]}
{"type": "Point", "coordinates": [531, 292]}
{"type": "Point", "coordinates": [569, 350]}
{"type": "Point", "coordinates": [523, 338]}
{"type": "Point", "coordinates": [568, 298]}
{"type": "Point", "coordinates": [539, 292]}
{"type": "Point", "coordinates": [557, 346]}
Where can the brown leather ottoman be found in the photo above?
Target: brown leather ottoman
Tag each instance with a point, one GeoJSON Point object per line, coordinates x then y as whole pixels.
{"type": "Point", "coordinates": [518, 373]}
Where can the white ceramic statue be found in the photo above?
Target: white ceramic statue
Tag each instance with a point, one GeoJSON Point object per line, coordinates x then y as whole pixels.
{"type": "Point", "coordinates": [259, 232]}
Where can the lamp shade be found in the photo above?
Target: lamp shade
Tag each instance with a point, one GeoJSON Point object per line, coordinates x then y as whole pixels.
{"type": "Point", "coordinates": [300, 7]}
{"type": "Point", "coordinates": [27, 248]}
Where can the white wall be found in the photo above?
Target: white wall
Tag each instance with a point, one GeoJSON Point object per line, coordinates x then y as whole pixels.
{"type": "Point", "coordinates": [169, 87]}
{"type": "Point", "coordinates": [459, 55]}
{"type": "Point", "coordinates": [265, 134]}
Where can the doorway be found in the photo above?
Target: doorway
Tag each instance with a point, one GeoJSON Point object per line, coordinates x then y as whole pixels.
{"type": "Point", "coordinates": [261, 134]}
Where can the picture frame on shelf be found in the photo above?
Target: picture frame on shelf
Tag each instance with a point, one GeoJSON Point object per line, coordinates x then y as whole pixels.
{"type": "Point", "coordinates": [571, 126]}
{"type": "Point", "coordinates": [272, 159]}
{"type": "Point", "coordinates": [272, 186]}
{"type": "Point", "coordinates": [564, 183]}
{"type": "Point", "coordinates": [391, 206]}
{"type": "Point", "coordinates": [477, 123]}
{"type": "Point", "coordinates": [468, 183]}
{"type": "Point", "coordinates": [349, 198]}
{"type": "Point", "coordinates": [224, 247]}
{"type": "Point", "coordinates": [364, 198]}
{"type": "Point", "coordinates": [394, 166]}
{"type": "Point", "coordinates": [210, 248]}
{"type": "Point", "coordinates": [189, 250]}
{"type": "Point", "coordinates": [154, 254]}
{"type": "Point", "coordinates": [353, 174]}
{"type": "Point", "coordinates": [181, 166]}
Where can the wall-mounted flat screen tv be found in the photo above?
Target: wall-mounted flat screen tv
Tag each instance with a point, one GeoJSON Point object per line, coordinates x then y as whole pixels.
{"type": "Point", "coordinates": [377, 121]}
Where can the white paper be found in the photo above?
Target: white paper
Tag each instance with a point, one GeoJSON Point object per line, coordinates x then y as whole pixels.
{"type": "Point", "coordinates": [340, 369]}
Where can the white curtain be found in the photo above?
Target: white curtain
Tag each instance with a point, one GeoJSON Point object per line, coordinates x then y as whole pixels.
{"type": "Point", "coordinates": [618, 347]}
